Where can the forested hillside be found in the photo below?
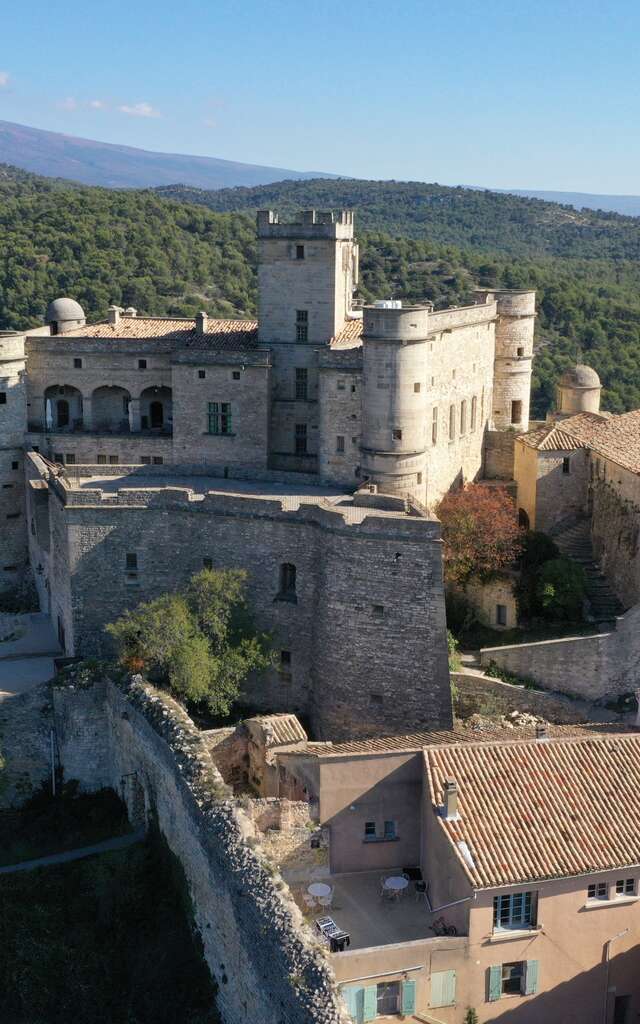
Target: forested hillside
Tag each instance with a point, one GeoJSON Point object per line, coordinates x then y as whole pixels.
{"type": "Point", "coordinates": [499, 222]}
{"type": "Point", "coordinates": [136, 248]}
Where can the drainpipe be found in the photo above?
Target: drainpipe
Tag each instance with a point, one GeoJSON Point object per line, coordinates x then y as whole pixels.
{"type": "Point", "coordinates": [607, 947]}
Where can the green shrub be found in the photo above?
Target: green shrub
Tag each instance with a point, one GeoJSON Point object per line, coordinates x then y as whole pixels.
{"type": "Point", "coordinates": [537, 550]}
{"type": "Point", "coordinates": [454, 658]}
{"type": "Point", "coordinates": [560, 590]}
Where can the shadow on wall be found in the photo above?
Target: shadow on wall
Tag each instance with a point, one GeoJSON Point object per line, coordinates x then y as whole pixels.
{"type": "Point", "coordinates": [606, 994]}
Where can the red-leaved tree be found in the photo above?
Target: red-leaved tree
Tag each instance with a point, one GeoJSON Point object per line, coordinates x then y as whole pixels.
{"type": "Point", "coordinates": [480, 532]}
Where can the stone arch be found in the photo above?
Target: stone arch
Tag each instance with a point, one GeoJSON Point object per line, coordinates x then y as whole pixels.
{"type": "Point", "coordinates": [63, 408]}
{"type": "Point", "coordinates": [156, 409]}
{"type": "Point", "coordinates": [110, 406]}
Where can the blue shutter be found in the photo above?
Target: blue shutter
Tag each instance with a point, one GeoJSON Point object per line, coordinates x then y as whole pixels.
{"type": "Point", "coordinates": [495, 982]}
{"type": "Point", "coordinates": [408, 996]}
{"type": "Point", "coordinates": [443, 988]}
{"type": "Point", "coordinates": [353, 996]}
{"type": "Point", "coordinates": [531, 978]}
{"type": "Point", "coordinates": [370, 1002]}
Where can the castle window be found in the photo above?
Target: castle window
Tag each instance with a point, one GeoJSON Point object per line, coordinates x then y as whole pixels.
{"type": "Point", "coordinates": [463, 417]}
{"type": "Point", "coordinates": [340, 443]}
{"type": "Point", "coordinates": [15, 465]}
{"type": "Point", "coordinates": [434, 427]}
{"type": "Point", "coordinates": [419, 478]}
{"type": "Point", "coordinates": [103, 458]}
{"type": "Point", "coordinates": [13, 515]}
{"type": "Point", "coordinates": [285, 666]}
{"type": "Point", "coordinates": [299, 252]}
{"type": "Point", "coordinates": [70, 459]}
{"type": "Point", "coordinates": [566, 466]}
{"type": "Point", "coordinates": [142, 364]}
{"type": "Point", "coordinates": [202, 374]}
{"type": "Point", "coordinates": [452, 422]}
{"type": "Point", "coordinates": [207, 563]}
{"type": "Point", "coordinates": [453, 374]}
{"type": "Point", "coordinates": [416, 388]}
{"type": "Point", "coordinates": [474, 412]}
{"type": "Point", "coordinates": [6, 487]}
{"type": "Point", "coordinates": [145, 460]}
{"type": "Point", "coordinates": [301, 439]}
{"type": "Point", "coordinates": [235, 375]}
{"type": "Point", "coordinates": [433, 382]}
{"type": "Point", "coordinates": [77, 364]}
{"type": "Point", "coordinates": [516, 412]}
{"type": "Point", "coordinates": [302, 325]}
{"type": "Point", "coordinates": [397, 435]}
{"type": "Point", "coordinates": [113, 460]}
{"type": "Point", "coordinates": [58, 457]}
{"type": "Point", "coordinates": [376, 698]}
{"type": "Point", "coordinates": [377, 610]}
{"type": "Point", "coordinates": [520, 352]}
{"type": "Point", "coordinates": [301, 383]}
{"type": "Point", "coordinates": [219, 418]}
{"type": "Point", "coordinates": [287, 590]}
{"type": "Point", "coordinates": [158, 460]}
{"type": "Point", "coordinates": [3, 397]}
{"type": "Point", "coordinates": [501, 614]}
{"type": "Point", "coordinates": [340, 385]}
{"type": "Point", "coordinates": [131, 561]}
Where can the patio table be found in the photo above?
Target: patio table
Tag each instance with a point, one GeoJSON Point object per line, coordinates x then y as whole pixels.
{"type": "Point", "coordinates": [319, 889]}
{"type": "Point", "coordinates": [396, 883]}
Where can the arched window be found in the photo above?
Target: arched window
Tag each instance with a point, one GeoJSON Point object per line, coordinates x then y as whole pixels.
{"type": "Point", "coordinates": [463, 417]}
{"type": "Point", "coordinates": [287, 590]}
{"type": "Point", "coordinates": [452, 422]}
{"type": "Point", "coordinates": [474, 412]}
{"type": "Point", "coordinates": [523, 519]}
{"type": "Point", "coordinates": [62, 412]}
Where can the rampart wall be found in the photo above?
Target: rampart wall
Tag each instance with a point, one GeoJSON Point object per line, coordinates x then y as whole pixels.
{"type": "Point", "coordinates": [615, 528]}
{"type": "Point", "coordinates": [26, 721]}
{"type": "Point", "coordinates": [266, 964]}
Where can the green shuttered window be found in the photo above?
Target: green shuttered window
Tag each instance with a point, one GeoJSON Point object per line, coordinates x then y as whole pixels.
{"type": "Point", "coordinates": [531, 978]}
{"type": "Point", "coordinates": [409, 996]}
{"type": "Point", "coordinates": [371, 1002]}
{"type": "Point", "coordinates": [219, 418]}
{"type": "Point", "coordinates": [443, 988]}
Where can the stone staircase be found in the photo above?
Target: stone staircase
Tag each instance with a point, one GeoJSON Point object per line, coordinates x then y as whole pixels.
{"type": "Point", "coordinates": [574, 541]}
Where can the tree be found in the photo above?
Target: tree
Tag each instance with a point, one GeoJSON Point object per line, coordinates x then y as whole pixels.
{"type": "Point", "coordinates": [480, 532]}
{"type": "Point", "coordinates": [560, 589]}
{"type": "Point", "coordinates": [199, 643]}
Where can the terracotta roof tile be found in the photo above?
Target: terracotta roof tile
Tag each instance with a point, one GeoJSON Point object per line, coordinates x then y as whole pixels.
{"type": "Point", "coordinates": [350, 336]}
{"type": "Point", "coordinates": [220, 333]}
{"type": "Point", "coordinates": [541, 808]}
{"type": "Point", "coordinates": [615, 437]}
{"type": "Point", "coordinates": [551, 438]}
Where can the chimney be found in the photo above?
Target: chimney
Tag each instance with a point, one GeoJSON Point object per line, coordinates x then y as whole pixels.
{"type": "Point", "coordinates": [201, 323]}
{"type": "Point", "coordinates": [113, 314]}
{"type": "Point", "coordinates": [131, 311]}
{"type": "Point", "coordinates": [450, 799]}
{"type": "Point", "coordinates": [541, 731]}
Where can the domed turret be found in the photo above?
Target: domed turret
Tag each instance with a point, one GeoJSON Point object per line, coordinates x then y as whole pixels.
{"type": "Point", "coordinates": [578, 390]}
{"type": "Point", "coordinates": [64, 313]}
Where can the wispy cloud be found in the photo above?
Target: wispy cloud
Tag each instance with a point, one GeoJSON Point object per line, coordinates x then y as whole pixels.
{"type": "Point", "coordinates": [139, 110]}
{"type": "Point", "coordinates": [97, 104]}
{"type": "Point", "coordinates": [4, 78]}
{"type": "Point", "coordinates": [69, 103]}
{"type": "Point", "coordinates": [210, 122]}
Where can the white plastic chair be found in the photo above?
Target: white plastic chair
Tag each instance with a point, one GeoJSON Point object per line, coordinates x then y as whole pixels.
{"type": "Point", "coordinates": [326, 901]}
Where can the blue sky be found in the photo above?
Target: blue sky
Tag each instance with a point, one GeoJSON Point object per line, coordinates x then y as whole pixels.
{"type": "Point", "coordinates": [516, 93]}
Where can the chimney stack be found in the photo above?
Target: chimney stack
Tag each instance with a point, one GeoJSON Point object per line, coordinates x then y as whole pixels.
{"type": "Point", "coordinates": [201, 323]}
{"type": "Point", "coordinates": [451, 799]}
{"type": "Point", "coordinates": [113, 314]}
{"type": "Point", "coordinates": [131, 311]}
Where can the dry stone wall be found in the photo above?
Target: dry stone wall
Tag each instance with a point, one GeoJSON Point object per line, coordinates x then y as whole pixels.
{"type": "Point", "coordinates": [266, 964]}
{"type": "Point", "coordinates": [615, 527]}
{"type": "Point", "coordinates": [26, 721]}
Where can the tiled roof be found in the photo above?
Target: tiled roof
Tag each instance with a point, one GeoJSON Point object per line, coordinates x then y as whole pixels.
{"type": "Point", "coordinates": [280, 729]}
{"type": "Point", "coordinates": [541, 808]}
{"type": "Point", "coordinates": [350, 336]}
{"type": "Point", "coordinates": [231, 334]}
{"type": "Point", "coordinates": [615, 437]}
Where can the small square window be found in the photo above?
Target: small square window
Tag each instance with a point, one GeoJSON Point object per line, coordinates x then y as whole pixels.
{"type": "Point", "coordinates": [370, 829]}
{"type": "Point", "coordinates": [340, 385]}
{"type": "Point", "coordinates": [340, 443]}
{"type": "Point", "coordinates": [103, 458]}
{"type": "Point", "coordinates": [58, 457]}
{"type": "Point", "coordinates": [114, 460]}
{"type": "Point", "coordinates": [389, 830]}
{"type": "Point", "coordinates": [70, 459]}
{"type": "Point", "coordinates": [376, 698]}
{"type": "Point", "coordinates": [202, 374]}
{"type": "Point", "coordinates": [145, 460]}
{"type": "Point", "coordinates": [15, 465]}
{"type": "Point", "coordinates": [158, 460]}
{"type": "Point", "coordinates": [513, 978]}
{"type": "Point", "coordinates": [142, 364]}
{"type": "Point", "coordinates": [235, 375]}
{"type": "Point", "coordinates": [501, 614]}
{"type": "Point", "coordinates": [285, 658]}
{"type": "Point", "coordinates": [397, 435]}
{"type": "Point", "coordinates": [77, 364]}
{"type": "Point", "coordinates": [520, 352]}
{"type": "Point", "coordinates": [207, 563]}
{"type": "Point", "coordinates": [625, 887]}
{"type": "Point", "coordinates": [299, 252]}
{"type": "Point", "coordinates": [598, 891]}
{"type": "Point", "coordinates": [416, 388]}
{"type": "Point", "coordinates": [378, 610]}
{"type": "Point", "coordinates": [131, 561]}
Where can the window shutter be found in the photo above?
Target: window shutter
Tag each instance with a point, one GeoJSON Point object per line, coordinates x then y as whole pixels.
{"type": "Point", "coordinates": [531, 978]}
{"type": "Point", "coordinates": [443, 988]}
{"type": "Point", "coordinates": [408, 996]}
{"type": "Point", "coordinates": [353, 995]}
{"type": "Point", "coordinates": [495, 982]}
{"type": "Point", "coordinates": [370, 1002]}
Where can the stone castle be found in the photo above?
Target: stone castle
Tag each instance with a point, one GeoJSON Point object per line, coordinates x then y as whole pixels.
{"type": "Point", "coordinates": [308, 447]}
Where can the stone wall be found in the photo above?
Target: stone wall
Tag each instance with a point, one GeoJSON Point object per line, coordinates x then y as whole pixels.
{"type": "Point", "coordinates": [615, 529]}
{"type": "Point", "coordinates": [594, 667]}
{"type": "Point", "coordinates": [266, 963]}
{"type": "Point", "coordinates": [481, 695]}
{"type": "Point", "coordinates": [26, 721]}
{"type": "Point", "coordinates": [499, 454]}
{"type": "Point", "coordinates": [118, 449]}
{"type": "Point", "coordinates": [13, 421]}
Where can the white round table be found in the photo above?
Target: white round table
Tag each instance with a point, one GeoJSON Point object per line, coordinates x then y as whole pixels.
{"type": "Point", "coordinates": [396, 883]}
{"type": "Point", "coordinates": [319, 889]}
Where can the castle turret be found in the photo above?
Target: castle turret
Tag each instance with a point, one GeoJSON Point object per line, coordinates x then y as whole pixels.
{"type": "Point", "coordinates": [394, 398]}
{"type": "Point", "coordinates": [13, 426]}
{"type": "Point", "coordinates": [513, 356]}
{"type": "Point", "coordinates": [63, 314]}
{"type": "Point", "coordinates": [578, 390]}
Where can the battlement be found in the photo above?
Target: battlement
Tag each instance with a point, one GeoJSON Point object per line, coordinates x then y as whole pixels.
{"type": "Point", "coordinates": [310, 224]}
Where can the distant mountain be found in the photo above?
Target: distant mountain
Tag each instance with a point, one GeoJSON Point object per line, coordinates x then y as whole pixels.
{"type": "Point", "coordinates": [468, 217]}
{"type": "Point", "coordinates": [102, 163]}
{"type": "Point", "coordinates": [628, 205]}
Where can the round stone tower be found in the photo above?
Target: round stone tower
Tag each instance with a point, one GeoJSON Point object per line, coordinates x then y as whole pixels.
{"type": "Point", "coordinates": [63, 314]}
{"type": "Point", "coordinates": [13, 426]}
{"type": "Point", "coordinates": [513, 355]}
{"type": "Point", "coordinates": [578, 390]}
{"type": "Point", "coordinates": [394, 399]}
